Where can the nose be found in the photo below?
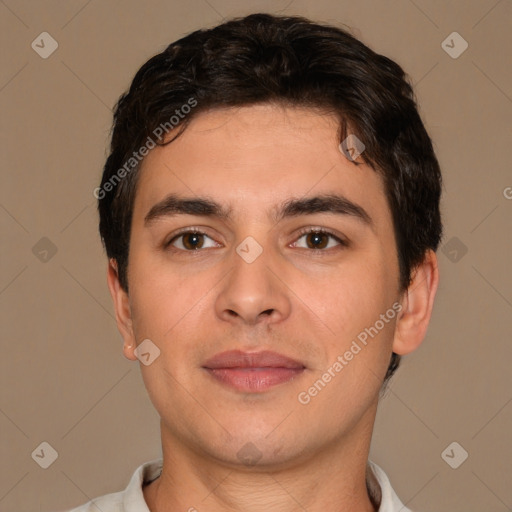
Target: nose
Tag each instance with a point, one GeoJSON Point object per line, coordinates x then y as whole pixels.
{"type": "Point", "coordinates": [254, 291]}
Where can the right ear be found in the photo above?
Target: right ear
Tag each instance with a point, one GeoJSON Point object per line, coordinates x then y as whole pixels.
{"type": "Point", "coordinates": [122, 309]}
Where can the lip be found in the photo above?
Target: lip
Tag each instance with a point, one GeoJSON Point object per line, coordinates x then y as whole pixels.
{"type": "Point", "coordinates": [252, 371]}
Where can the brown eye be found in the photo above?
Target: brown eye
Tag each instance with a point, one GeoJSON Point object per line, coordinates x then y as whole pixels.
{"type": "Point", "coordinates": [190, 241]}
{"type": "Point", "coordinates": [193, 240]}
{"type": "Point", "coordinates": [317, 240]}
{"type": "Point", "coordinates": [320, 239]}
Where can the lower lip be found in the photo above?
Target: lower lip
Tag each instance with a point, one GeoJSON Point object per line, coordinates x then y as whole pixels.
{"type": "Point", "coordinates": [254, 379]}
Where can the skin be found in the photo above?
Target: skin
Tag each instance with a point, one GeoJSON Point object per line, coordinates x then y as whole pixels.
{"type": "Point", "coordinates": [306, 303]}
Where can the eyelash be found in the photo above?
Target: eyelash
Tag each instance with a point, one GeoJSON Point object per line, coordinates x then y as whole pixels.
{"type": "Point", "coordinates": [306, 231]}
{"type": "Point", "coordinates": [322, 231]}
{"type": "Point", "coordinates": [195, 231]}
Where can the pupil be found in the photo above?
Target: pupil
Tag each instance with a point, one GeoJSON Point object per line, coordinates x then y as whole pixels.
{"type": "Point", "coordinates": [317, 243]}
{"type": "Point", "coordinates": [195, 244]}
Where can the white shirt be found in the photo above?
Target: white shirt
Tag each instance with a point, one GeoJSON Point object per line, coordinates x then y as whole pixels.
{"type": "Point", "coordinates": [132, 498]}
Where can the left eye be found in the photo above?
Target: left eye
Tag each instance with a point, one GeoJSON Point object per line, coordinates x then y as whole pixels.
{"type": "Point", "coordinates": [192, 240]}
{"type": "Point", "coordinates": [317, 239]}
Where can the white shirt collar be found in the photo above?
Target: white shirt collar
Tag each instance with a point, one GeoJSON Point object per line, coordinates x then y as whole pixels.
{"type": "Point", "coordinates": [132, 498]}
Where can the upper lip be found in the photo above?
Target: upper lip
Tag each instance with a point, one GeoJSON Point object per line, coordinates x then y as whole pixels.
{"type": "Point", "coordinates": [240, 359]}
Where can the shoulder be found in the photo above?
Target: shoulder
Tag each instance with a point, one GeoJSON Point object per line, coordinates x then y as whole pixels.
{"type": "Point", "coordinates": [389, 501]}
{"type": "Point", "coordinates": [107, 503]}
{"type": "Point", "coordinates": [129, 500]}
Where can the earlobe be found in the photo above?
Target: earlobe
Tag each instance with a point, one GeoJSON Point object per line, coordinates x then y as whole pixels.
{"type": "Point", "coordinates": [122, 310]}
{"type": "Point", "coordinates": [417, 305]}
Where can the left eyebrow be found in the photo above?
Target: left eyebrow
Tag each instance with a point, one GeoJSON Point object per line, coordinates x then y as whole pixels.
{"type": "Point", "coordinates": [326, 203]}
{"type": "Point", "coordinates": [173, 205]}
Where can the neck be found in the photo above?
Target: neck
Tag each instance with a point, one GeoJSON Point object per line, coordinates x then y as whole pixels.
{"type": "Point", "coordinates": [331, 479]}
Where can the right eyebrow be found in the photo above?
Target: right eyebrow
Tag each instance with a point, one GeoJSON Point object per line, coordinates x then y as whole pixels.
{"type": "Point", "coordinates": [173, 205]}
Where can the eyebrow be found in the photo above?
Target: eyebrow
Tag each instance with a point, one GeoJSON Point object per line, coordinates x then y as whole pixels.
{"type": "Point", "coordinates": [173, 205]}
{"type": "Point", "coordinates": [326, 203]}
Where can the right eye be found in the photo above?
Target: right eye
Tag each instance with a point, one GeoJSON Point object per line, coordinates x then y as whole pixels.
{"type": "Point", "coordinates": [191, 240]}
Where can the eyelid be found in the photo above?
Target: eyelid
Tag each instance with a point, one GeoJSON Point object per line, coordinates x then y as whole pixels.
{"type": "Point", "coordinates": [184, 231]}
{"type": "Point", "coordinates": [326, 231]}
{"type": "Point", "coordinates": [304, 231]}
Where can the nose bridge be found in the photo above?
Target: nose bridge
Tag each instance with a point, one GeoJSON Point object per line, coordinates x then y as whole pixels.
{"type": "Point", "coordinates": [252, 288]}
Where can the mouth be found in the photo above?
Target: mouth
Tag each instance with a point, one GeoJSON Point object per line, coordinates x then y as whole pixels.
{"type": "Point", "coordinates": [252, 371]}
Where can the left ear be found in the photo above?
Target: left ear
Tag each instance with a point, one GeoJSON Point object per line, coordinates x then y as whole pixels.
{"type": "Point", "coordinates": [417, 304]}
{"type": "Point", "coordinates": [122, 310]}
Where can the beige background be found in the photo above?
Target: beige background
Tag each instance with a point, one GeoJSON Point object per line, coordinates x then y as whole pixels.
{"type": "Point", "coordinates": [63, 377]}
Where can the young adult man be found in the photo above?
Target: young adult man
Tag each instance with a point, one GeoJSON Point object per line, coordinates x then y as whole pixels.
{"type": "Point", "coordinates": [270, 211]}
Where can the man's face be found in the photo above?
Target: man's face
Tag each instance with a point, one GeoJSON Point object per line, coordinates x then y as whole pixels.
{"type": "Point", "coordinates": [305, 296]}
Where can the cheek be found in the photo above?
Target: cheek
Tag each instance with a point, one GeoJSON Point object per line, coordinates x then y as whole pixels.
{"type": "Point", "coordinates": [169, 306]}
{"type": "Point", "coordinates": [159, 299]}
{"type": "Point", "coordinates": [352, 298]}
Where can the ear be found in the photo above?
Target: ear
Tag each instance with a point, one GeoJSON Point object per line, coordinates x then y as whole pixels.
{"type": "Point", "coordinates": [122, 309]}
{"type": "Point", "coordinates": [417, 304]}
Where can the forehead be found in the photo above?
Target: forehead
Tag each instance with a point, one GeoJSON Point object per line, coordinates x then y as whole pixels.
{"type": "Point", "coordinates": [254, 157]}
